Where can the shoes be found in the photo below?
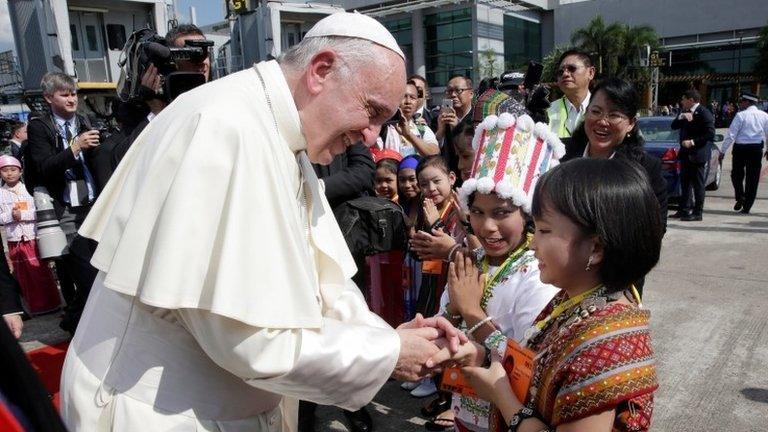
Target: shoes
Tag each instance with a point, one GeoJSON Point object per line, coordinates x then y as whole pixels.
{"type": "Point", "coordinates": [738, 205]}
{"type": "Point", "coordinates": [435, 407]}
{"type": "Point", "coordinates": [359, 421]}
{"type": "Point", "coordinates": [426, 388]}
{"type": "Point", "coordinates": [444, 424]}
{"type": "Point", "coordinates": [410, 385]}
{"type": "Point", "coordinates": [691, 218]}
{"type": "Point", "coordinates": [679, 214]}
{"type": "Point", "coordinates": [744, 211]}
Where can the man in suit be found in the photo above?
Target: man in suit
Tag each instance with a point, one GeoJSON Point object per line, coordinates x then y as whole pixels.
{"type": "Point", "coordinates": [17, 141]}
{"type": "Point", "coordinates": [57, 155]}
{"type": "Point", "coordinates": [423, 114]}
{"type": "Point", "coordinates": [697, 134]}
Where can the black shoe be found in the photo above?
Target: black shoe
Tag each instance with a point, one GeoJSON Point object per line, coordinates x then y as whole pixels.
{"type": "Point", "coordinates": [679, 214]}
{"type": "Point", "coordinates": [744, 211]}
{"type": "Point", "coordinates": [435, 407]}
{"type": "Point", "coordinates": [359, 421]}
{"type": "Point", "coordinates": [691, 218]}
{"type": "Point", "coordinates": [738, 205]}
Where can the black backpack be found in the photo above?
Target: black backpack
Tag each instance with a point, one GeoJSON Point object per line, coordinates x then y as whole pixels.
{"type": "Point", "coordinates": [372, 225]}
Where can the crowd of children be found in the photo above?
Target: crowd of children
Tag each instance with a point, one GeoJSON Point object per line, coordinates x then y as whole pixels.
{"type": "Point", "coordinates": [474, 259]}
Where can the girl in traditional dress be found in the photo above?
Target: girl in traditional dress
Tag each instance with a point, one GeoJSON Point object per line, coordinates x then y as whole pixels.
{"type": "Point", "coordinates": [504, 303]}
{"type": "Point", "coordinates": [17, 214]}
{"type": "Point", "coordinates": [597, 230]}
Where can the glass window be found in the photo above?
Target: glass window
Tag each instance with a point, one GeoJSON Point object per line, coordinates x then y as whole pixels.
{"type": "Point", "coordinates": [401, 30]}
{"type": "Point", "coordinates": [448, 45]}
{"type": "Point", "coordinates": [115, 36]}
{"type": "Point", "coordinates": [75, 42]}
{"type": "Point", "coordinates": [90, 37]}
{"type": "Point", "coordinates": [522, 41]}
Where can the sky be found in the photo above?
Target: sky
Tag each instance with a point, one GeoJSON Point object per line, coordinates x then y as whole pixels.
{"type": "Point", "coordinates": [208, 12]}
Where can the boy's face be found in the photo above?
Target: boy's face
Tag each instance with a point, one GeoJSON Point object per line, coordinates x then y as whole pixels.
{"type": "Point", "coordinates": [63, 102]}
{"type": "Point", "coordinates": [10, 174]}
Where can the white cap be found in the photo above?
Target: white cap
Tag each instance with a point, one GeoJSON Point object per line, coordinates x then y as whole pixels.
{"type": "Point", "coordinates": [355, 25]}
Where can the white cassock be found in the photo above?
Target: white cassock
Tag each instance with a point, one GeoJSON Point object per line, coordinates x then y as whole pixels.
{"type": "Point", "coordinates": [224, 283]}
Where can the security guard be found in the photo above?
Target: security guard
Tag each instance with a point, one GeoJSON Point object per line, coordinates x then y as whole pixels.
{"type": "Point", "coordinates": [574, 73]}
{"type": "Point", "coordinates": [747, 133]}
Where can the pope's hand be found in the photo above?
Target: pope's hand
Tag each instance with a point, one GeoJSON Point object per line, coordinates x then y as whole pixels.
{"type": "Point", "coordinates": [469, 354]}
{"type": "Point", "coordinates": [15, 324]}
{"type": "Point", "coordinates": [416, 347]}
{"type": "Point", "coordinates": [453, 336]}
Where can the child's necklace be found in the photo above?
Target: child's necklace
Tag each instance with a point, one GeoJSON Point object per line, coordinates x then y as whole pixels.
{"type": "Point", "coordinates": [502, 271]}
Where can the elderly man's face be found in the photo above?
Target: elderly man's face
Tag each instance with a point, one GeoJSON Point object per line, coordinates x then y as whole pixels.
{"type": "Point", "coordinates": [460, 92]}
{"type": "Point", "coordinates": [354, 109]}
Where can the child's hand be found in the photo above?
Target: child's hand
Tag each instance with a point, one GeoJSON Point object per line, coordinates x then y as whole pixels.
{"type": "Point", "coordinates": [16, 214]}
{"type": "Point", "coordinates": [490, 384]}
{"type": "Point", "coordinates": [465, 284]}
{"type": "Point", "coordinates": [430, 211]}
{"type": "Point", "coordinates": [432, 246]}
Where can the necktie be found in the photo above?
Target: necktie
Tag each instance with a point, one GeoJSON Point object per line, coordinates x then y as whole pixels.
{"type": "Point", "coordinates": [76, 172]}
{"type": "Point", "coordinates": [67, 132]}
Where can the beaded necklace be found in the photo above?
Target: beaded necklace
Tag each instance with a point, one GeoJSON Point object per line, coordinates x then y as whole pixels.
{"type": "Point", "coordinates": [503, 270]}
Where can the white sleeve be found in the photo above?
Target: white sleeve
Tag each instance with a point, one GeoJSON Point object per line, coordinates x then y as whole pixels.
{"type": "Point", "coordinates": [733, 131]}
{"type": "Point", "coordinates": [531, 296]}
{"type": "Point", "coordinates": [429, 136]}
{"type": "Point", "coordinates": [344, 363]}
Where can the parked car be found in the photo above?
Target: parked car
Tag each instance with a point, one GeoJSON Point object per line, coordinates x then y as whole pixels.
{"type": "Point", "coordinates": [664, 143]}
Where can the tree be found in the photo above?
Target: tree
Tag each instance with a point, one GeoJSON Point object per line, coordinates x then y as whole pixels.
{"type": "Point", "coordinates": [761, 65]}
{"type": "Point", "coordinates": [489, 65]}
{"type": "Point", "coordinates": [603, 42]}
{"type": "Point", "coordinates": [550, 63]}
{"type": "Point", "coordinates": [634, 41]}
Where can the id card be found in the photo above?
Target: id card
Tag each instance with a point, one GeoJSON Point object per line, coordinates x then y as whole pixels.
{"type": "Point", "coordinates": [518, 362]}
{"type": "Point", "coordinates": [21, 206]}
{"type": "Point", "coordinates": [432, 267]}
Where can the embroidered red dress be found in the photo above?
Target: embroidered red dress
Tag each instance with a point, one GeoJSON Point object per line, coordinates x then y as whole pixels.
{"type": "Point", "coordinates": [587, 365]}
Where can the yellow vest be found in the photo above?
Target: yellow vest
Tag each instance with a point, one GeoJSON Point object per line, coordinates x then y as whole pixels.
{"type": "Point", "coordinates": [558, 118]}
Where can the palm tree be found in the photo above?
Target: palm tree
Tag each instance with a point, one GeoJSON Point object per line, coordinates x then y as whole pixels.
{"type": "Point", "coordinates": [603, 42]}
{"type": "Point", "coordinates": [635, 40]}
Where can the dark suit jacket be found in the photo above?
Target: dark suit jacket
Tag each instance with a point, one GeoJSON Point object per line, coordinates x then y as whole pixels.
{"type": "Point", "coordinates": [701, 130]}
{"type": "Point", "coordinates": [10, 302]}
{"type": "Point", "coordinates": [348, 176]}
{"type": "Point", "coordinates": [651, 165]}
{"type": "Point", "coordinates": [46, 159]}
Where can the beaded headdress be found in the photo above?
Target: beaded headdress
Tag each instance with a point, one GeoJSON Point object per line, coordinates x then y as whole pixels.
{"type": "Point", "coordinates": [511, 153]}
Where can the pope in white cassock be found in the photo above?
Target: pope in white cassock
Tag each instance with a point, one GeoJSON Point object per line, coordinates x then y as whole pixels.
{"type": "Point", "coordinates": [224, 288]}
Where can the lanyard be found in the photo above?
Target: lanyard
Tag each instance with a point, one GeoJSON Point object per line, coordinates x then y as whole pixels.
{"type": "Point", "coordinates": [502, 270]}
{"type": "Point", "coordinates": [562, 307]}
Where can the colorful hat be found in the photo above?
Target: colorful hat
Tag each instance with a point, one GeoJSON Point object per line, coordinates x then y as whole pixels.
{"type": "Point", "coordinates": [6, 160]}
{"type": "Point", "coordinates": [379, 154]}
{"type": "Point", "coordinates": [494, 102]}
{"type": "Point", "coordinates": [510, 156]}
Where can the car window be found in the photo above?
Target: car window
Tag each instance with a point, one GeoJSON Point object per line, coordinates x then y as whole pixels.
{"type": "Point", "coordinates": [657, 130]}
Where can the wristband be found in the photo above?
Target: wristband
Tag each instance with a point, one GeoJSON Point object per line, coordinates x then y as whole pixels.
{"type": "Point", "coordinates": [478, 325]}
{"type": "Point", "coordinates": [518, 418]}
{"type": "Point", "coordinates": [452, 252]}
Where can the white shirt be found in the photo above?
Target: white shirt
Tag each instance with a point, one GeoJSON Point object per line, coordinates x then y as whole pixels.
{"type": "Point", "coordinates": [17, 197]}
{"type": "Point", "coordinates": [576, 114]}
{"type": "Point", "coordinates": [749, 126]}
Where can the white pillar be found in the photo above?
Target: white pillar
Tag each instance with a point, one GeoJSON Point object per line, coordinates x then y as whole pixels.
{"type": "Point", "coordinates": [417, 37]}
{"type": "Point", "coordinates": [192, 15]}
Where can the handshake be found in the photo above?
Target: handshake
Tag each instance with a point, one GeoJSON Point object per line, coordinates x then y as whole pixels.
{"type": "Point", "coordinates": [428, 344]}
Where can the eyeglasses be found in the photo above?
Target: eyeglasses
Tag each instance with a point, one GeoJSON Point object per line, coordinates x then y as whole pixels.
{"type": "Point", "coordinates": [613, 117]}
{"type": "Point", "coordinates": [570, 68]}
{"type": "Point", "coordinates": [410, 97]}
{"type": "Point", "coordinates": [457, 91]}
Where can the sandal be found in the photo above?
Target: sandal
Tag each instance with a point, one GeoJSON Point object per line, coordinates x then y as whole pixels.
{"type": "Point", "coordinates": [435, 407]}
{"type": "Point", "coordinates": [433, 425]}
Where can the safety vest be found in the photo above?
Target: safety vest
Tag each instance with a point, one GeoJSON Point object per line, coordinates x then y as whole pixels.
{"type": "Point", "coordinates": [558, 118]}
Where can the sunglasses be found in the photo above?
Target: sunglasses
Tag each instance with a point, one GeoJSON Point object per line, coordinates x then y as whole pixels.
{"type": "Point", "coordinates": [570, 68]}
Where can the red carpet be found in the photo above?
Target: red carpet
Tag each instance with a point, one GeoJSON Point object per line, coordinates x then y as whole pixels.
{"type": "Point", "coordinates": [48, 362]}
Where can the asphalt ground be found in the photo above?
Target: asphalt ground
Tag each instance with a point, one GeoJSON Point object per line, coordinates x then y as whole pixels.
{"type": "Point", "coordinates": [709, 301]}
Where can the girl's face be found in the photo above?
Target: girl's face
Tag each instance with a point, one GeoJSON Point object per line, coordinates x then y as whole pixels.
{"type": "Point", "coordinates": [498, 224]}
{"type": "Point", "coordinates": [10, 175]}
{"type": "Point", "coordinates": [436, 185]}
{"type": "Point", "coordinates": [466, 154]}
{"type": "Point", "coordinates": [562, 250]}
{"type": "Point", "coordinates": [386, 183]}
{"type": "Point", "coordinates": [407, 183]}
{"type": "Point", "coordinates": [605, 125]}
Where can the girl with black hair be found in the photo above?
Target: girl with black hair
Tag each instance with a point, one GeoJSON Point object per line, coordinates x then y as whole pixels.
{"type": "Point", "coordinates": [593, 367]}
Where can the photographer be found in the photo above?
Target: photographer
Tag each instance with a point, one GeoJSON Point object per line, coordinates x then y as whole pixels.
{"type": "Point", "coordinates": [152, 83]}
{"type": "Point", "coordinates": [58, 158]}
{"type": "Point", "coordinates": [403, 134]}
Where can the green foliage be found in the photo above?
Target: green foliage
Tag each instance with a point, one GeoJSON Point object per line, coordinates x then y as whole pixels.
{"type": "Point", "coordinates": [761, 66]}
{"type": "Point", "coordinates": [550, 63]}
{"type": "Point", "coordinates": [489, 65]}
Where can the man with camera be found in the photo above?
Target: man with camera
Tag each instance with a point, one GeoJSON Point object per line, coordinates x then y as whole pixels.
{"type": "Point", "coordinates": [57, 158]}
{"type": "Point", "coordinates": [455, 108]}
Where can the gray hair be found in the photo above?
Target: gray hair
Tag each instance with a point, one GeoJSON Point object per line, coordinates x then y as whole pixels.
{"type": "Point", "coordinates": [355, 53]}
{"type": "Point", "coordinates": [57, 81]}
